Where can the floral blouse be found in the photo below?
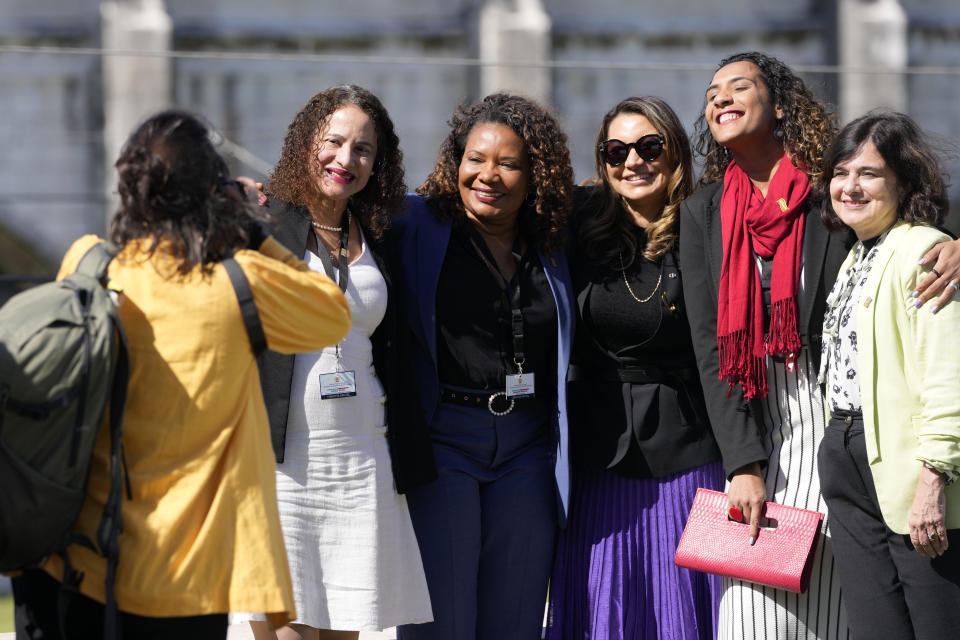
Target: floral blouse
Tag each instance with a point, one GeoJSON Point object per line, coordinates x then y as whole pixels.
{"type": "Point", "coordinates": [838, 364]}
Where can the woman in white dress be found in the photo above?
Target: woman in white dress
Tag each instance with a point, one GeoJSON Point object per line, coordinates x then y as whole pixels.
{"type": "Point", "coordinates": [353, 555]}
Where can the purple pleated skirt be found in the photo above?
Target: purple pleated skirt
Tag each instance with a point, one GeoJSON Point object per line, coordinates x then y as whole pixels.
{"type": "Point", "coordinates": [614, 576]}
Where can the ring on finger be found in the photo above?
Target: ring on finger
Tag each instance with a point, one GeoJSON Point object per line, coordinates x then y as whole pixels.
{"type": "Point", "coordinates": [939, 275]}
{"type": "Point", "coordinates": [933, 535]}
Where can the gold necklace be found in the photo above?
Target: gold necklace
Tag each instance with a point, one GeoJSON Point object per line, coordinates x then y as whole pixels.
{"type": "Point", "coordinates": [623, 272]}
{"type": "Point", "coordinates": [326, 227]}
{"type": "Point", "coordinates": [329, 227]}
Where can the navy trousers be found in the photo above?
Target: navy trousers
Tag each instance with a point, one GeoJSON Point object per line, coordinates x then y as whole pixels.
{"type": "Point", "coordinates": [890, 590]}
{"type": "Point", "coordinates": [486, 527]}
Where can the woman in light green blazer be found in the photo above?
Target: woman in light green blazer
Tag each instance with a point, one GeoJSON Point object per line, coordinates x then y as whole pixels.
{"type": "Point", "coordinates": [892, 376]}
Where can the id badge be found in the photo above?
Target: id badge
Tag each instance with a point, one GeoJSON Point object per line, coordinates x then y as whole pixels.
{"type": "Point", "coordinates": [340, 384]}
{"type": "Point", "coordinates": [520, 385]}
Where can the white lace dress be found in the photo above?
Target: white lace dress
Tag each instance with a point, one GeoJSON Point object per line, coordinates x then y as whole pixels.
{"type": "Point", "coordinates": [353, 554]}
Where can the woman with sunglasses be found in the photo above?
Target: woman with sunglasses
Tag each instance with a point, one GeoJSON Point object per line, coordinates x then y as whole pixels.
{"type": "Point", "coordinates": [640, 441]}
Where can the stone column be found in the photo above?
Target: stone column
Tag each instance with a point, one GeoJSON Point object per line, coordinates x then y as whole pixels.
{"type": "Point", "coordinates": [512, 32]}
{"type": "Point", "coordinates": [872, 35]}
{"type": "Point", "coordinates": [134, 86]}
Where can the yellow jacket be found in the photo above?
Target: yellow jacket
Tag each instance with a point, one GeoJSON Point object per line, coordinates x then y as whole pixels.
{"type": "Point", "coordinates": [202, 532]}
{"type": "Point", "coordinates": [909, 366]}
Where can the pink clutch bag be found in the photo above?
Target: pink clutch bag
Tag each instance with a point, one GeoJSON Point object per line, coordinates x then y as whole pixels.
{"type": "Point", "coordinates": [781, 557]}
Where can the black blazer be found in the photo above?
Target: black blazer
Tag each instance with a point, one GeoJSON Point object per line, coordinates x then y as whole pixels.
{"type": "Point", "coordinates": [640, 417]}
{"type": "Point", "coordinates": [411, 453]}
{"type": "Point", "coordinates": [737, 424]}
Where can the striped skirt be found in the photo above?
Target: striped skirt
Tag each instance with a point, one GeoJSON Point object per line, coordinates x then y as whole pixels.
{"type": "Point", "coordinates": [795, 418]}
{"type": "Point", "coordinates": [614, 576]}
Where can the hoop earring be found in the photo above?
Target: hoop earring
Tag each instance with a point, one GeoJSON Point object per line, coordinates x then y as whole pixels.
{"type": "Point", "coordinates": [531, 203]}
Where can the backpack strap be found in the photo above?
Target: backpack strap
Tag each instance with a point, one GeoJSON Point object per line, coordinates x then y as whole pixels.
{"type": "Point", "coordinates": [95, 261]}
{"type": "Point", "coordinates": [111, 522]}
{"type": "Point", "coordinates": [251, 318]}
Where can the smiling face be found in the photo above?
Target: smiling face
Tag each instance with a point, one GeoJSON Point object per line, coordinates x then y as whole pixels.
{"type": "Point", "coordinates": [642, 184]}
{"type": "Point", "coordinates": [345, 150]}
{"type": "Point", "coordinates": [740, 109]}
{"type": "Point", "coordinates": [494, 174]}
{"type": "Point", "coordinates": [864, 192]}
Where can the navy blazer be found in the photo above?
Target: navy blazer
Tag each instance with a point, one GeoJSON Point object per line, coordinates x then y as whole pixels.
{"type": "Point", "coordinates": [738, 424]}
{"type": "Point", "coordinates": [411, 453]}
{"type": "Point", "coordinates": [421, 245]}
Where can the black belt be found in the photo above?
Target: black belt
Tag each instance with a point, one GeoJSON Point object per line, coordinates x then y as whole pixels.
{"type": "Point", "coordinates": [496, 403]}
{"type": "Point", "coordinates": [846, 416]}
{"type": "Point", "coordinates": [633, 375]}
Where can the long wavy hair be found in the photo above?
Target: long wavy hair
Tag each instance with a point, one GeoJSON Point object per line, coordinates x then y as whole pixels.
{"type": "Point", "coordinates": [383, 196]}
{"type": "Point", "coordinates": [807, 127]}
{"type": "Point", "coordinates": [907, 152]}
{"type": "Point", "coordinates": [542, 219]}
{"type": "Point", "coordinates": [606, 234]}
{"type": "Point", "coordinates": [174, 189]}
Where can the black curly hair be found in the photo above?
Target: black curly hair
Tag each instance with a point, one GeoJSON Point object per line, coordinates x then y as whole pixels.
{"type": "Point", "coordinates": [174, 188]}
{"type": "Point", "coordinates": [551, 175]}
{"type": "Point", "coordinates": [807, 125]}
{"type": "Point", "coordinates": [907, 152]}
{"type": "Point", "coordinates": [382, 198]}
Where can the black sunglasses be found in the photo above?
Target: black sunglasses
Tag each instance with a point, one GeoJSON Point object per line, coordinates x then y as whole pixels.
{"type": "Point", "coordinates": [648, 147]}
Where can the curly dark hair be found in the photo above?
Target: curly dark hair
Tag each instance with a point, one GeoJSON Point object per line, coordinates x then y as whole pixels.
{"type": "Point", "coordinates": [605, 234]}
{"type": "Point", "coordinates": [551, 176]}
{"type": "Point", "coordinates": [173, 187]}
{"type": "Point", "coordinates": [807, 125]}
{"type": "Point", "coordinates": [382, 198]}
{"type": "Point", "coordinates": [907, 152]}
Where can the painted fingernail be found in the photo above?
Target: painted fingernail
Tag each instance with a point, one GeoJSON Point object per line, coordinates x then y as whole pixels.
{"type": "Point", "coordinates": [917, 303]}
{"type": "Point", "coordinates": [934, 309]}
{"type": "Point", "coordinates": [914, 294]}
{"type": "Point", "coordinates": [922, 261]}
{"type": "Point", "coordinates": [752, 540]}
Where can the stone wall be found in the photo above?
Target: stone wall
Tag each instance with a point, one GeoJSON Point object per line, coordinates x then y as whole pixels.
{"type": "Point", "coordinates": [53, 166]}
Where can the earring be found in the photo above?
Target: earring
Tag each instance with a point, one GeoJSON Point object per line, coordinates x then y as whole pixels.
{"type": "Point", "coordinates": [531, 203]}
{"type": "Point", "coordinates": [778, 130]}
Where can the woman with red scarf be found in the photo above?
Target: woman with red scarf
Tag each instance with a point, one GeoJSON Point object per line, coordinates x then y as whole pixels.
{"type": "Point", "coordinates": [757, 266]}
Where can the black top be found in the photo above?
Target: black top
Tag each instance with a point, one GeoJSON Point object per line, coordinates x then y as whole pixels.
{"type": "Point", "coordinates": [474, 334]}
{"type": "Point", "coordinates": [632, 330]}
{"type": "Point", "coordinates": [635, 400]}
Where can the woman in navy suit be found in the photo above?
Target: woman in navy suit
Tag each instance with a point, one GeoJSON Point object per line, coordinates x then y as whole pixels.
{"type": "Point", "coordinates": [488, 319]}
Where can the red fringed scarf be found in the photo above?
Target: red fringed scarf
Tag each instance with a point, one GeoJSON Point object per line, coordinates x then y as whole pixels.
{"type": "Point", "coordinates": [769, 227]}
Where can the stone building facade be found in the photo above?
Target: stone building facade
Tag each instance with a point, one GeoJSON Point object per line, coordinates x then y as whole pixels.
{"type": "Point", "coordinates": [420, 57]}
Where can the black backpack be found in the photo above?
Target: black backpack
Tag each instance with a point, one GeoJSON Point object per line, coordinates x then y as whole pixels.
{"type": "Point", "coordinates": [63, 361]}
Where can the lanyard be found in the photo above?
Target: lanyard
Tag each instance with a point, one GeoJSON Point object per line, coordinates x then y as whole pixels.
{"type": "Point", "coordinates": [516, 313]}
{"type": "Point", "coordinates": [343, 263]}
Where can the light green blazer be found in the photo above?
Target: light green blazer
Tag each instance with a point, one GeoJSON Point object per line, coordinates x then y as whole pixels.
{"type": "Point", "coordinates": [909, 367]}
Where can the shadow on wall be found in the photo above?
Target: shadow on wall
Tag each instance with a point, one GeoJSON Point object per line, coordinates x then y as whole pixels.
{"type": "Point", "coordinates": [21, 265]}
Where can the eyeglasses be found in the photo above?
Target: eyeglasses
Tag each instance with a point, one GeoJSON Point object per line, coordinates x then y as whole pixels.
{"type": "Point", "coordinates": [648, 147]}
